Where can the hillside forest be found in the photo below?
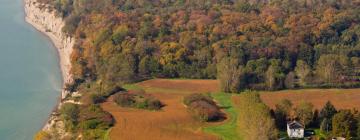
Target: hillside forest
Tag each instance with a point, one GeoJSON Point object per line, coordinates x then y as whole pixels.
{"type": "Point", "coordinates": [245, 44]}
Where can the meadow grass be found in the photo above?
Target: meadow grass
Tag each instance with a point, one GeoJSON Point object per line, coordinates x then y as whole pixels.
{"type": "Point", "coordinates": [132, 87]}
{"type": "Point", "coordinates": [107, 134]}
{"type": "Point", "coordinates": [228, 130]}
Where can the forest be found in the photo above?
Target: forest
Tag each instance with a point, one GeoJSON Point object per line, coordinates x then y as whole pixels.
{"type": "Point", "coordinates": [245, 44]}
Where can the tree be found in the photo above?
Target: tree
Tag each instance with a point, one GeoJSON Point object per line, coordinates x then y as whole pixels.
{"type": "Point", "coordinates": [304, 112]}
{"type": "Point", "coordinates": [274, 76]}
{"type": "Point", "coordinates": [70, 114]}
{"type": "Point", "coordinates": [282, 113]}
{"type": "Point", "coordinates": [302, 70]}
{"type": "Point", "coordinates": [344, 124]}
{"type": "Point", "coordinates": [325, 125]}
{"type": "Point", "coordinates": [231, 75]}
{"type": "Point", "coordinates": [253, 110]}
{"type": "Point", "coordinates": [290, 80]}
{"type": "Point", "coordinates": [328, 111]}
{"type": "Point", "coordinates": [329, 67]}
{"type": "Point", "coordinates": [357, 116]}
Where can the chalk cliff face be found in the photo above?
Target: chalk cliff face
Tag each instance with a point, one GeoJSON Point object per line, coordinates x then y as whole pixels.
{"type": "Point", "coordinates": [46, 21]}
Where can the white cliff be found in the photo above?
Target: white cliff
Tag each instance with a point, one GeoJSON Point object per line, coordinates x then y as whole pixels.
{"type": "Point", "coordinates": [49, 23]}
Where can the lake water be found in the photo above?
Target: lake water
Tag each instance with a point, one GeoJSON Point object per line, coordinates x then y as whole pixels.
{"type": "Point", "coordinates": [30, 77]}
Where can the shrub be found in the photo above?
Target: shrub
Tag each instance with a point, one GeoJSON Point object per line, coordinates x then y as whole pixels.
{"type": "Point", "coordinates": [203, 107]}
{"type": "Point", "coordinates": [94, 134]}
{"type": "Point", "coordinates": [198, 97]}
{"type": "Point", "coordinates": [204, 111]}
{"type": "Point", "coordinates": [124, 100]}
{"type": "Point", "coordinates": [42, 135]}
{"type": "Point", "coordinates": [138, 99]}
{"type": "Point", "coordinates": [71, 24]}
{"type": "Point", "coordinates": [90, 124]}
{"type": "Point", "coordinates": [154, 104]}
{"type": "Point", "coordinates": [88, 99]}
{"type": "Point", "coordinates": [70, 114]}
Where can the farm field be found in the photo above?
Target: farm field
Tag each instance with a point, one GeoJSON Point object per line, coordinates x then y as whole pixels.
{"type": "Point", "coordinates": [172, 122]}
{"type": "Point", "coordinates": [340, 98]}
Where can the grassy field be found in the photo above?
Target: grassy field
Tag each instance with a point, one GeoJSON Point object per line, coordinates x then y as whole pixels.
{"type": "Point", "coordinates": [227, 130]}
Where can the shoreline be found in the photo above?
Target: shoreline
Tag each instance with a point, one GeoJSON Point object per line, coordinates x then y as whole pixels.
{"type": "Point", "coordinates": [50, 26]}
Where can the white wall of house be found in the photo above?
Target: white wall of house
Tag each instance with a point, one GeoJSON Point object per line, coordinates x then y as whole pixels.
{"type": "Point", "coordinates": [295, 133]}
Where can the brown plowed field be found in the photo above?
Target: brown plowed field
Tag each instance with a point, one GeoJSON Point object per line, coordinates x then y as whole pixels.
{"type": "Point", "coordinates": [173, 122]}
{"type": "Point", "coordinates": [340, 98]}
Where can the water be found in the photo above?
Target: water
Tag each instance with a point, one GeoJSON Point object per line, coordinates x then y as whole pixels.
{"type": "Point", "coordinates": [30, 77]}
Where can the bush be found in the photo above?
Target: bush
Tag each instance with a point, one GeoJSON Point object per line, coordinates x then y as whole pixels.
{"type": "Point", "coordinates": [198, 97]}
{"type": "Point", "coordinates": [70, 114]}
{"type": "Point", "coordinates": [204, 111]}
{"type": "Point", "coordinates": [154, 104]}
{"type": "Point", "coordinates": [42, 135]}
{"type": "Point", "coordinates": [138, 99]}
{"type": "Point", "coordinates": [71, 24]}
{"type": "Point", "coordinates": [124, 100]}
{"type": "Point", "coordinates": [203, 107]}
{"type": "Point", "coordinates": [89, 99]}
{"type": "Point", "coordinates": [90, 124]}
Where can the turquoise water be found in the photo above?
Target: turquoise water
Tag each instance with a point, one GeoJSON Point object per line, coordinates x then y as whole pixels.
{"type": "Point", "coordinates": [30, 77]}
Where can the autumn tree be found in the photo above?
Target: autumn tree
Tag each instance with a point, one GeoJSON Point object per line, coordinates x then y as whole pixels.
{"type": "Point", "coordinates": [304, 112]}
{"type": "Point", "coordinates": [230, 75]}
{"type": "Point", "coordinates": [251, 109]}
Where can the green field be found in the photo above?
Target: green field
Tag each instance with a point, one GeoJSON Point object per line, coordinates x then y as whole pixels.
{"type": "Point", "coordinates": [228, 130]}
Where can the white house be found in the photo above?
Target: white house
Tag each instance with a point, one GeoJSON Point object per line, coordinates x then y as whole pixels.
{"type": "Point", "coordinates": [295, 130]}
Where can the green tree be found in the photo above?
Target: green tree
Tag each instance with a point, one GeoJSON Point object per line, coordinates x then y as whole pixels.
{"type": "Point", "coordinates": [282, 113]}
{"type": "Point", "coordinates": [328, 111]}
{"type": "Point", "coordinates": [290, 80]}
{"type": "Point", "coordinates": [329, 67]}
{"type": "Point", "coordinates": [325, 125]}
{"type": "Point", "coordinates": [274, 76]}
{"type": "Point", "coordinates": [344, 124]}
{"type": "Point", "coordinates": [326, 115]}
{"type": "Point", "coordinates": [302, 70]}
